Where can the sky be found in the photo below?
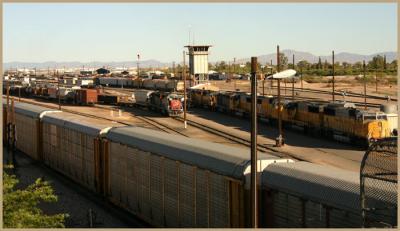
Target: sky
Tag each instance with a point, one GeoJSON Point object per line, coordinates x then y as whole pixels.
{"type": "Point", "coordinates": [40, 32]}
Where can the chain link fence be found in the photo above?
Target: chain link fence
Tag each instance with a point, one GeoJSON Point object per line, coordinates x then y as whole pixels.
{"type": "Point", "coordinates": [378, 184]}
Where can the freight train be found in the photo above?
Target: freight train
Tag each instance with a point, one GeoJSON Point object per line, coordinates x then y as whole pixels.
{"type": "Point", "coordinates": [151, 84]}
{"type": "Point", "coordinates": [175, 181]}
{"type": "Point", "coordinates": [338, 120]}
{"type": "Point", "coordinates": [167, 103]}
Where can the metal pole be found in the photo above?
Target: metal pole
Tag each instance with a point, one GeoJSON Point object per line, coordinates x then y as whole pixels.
{"type": "Point", "coordinates": [279, 139]}
{"type": "Point", "coordinates": [58, 86]}
{"type": "Point", "coordinates": [333, 75]}
{"type": "Point", "coordinates": [184, 91]}
{"type": "Point", "coordinates": [253, 196]}
{"type": "Point", "coordinates": [272, 80]}
{"type": "Point", "coordinates": [285, 86]}
{"type": "Point", "coordinates": [293, 81]}
{"type": "Point", "coordinates": [173, 68]}
{"type": "Point", "coordinates": [138, 71]}
{"type": "Point", "coordinates": [263, 83]}
{"type": "Point", "coordinates": [8, 115]}
{"type": "Point", "coordinates": [376, 81]}
{"type": "Point", "coordinates": [301, 77]}
{"type": "Point", "coordinates": [365, 87]}
{"type": "Point", "coordinates": [234, 69]}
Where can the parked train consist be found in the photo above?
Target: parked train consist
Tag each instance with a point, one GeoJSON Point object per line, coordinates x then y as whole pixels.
{"type": "Point", "coordinates": [341, 121]}
{"type": "Point", "coordinates": [167, 103]}
{"type": "Point", "coordinates": [150, 84]}
{"type": "Point", "coordinates": [174, 181]}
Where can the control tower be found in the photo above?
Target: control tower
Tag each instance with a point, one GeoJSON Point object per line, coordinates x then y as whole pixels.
{"type": "Point", "coordinates": [198, 61]}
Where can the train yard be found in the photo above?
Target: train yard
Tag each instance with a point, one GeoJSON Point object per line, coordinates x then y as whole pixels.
{"type": "Point", "coordinates": [220, 129]}
{"type": "Point", "coordinates": [129, 146]}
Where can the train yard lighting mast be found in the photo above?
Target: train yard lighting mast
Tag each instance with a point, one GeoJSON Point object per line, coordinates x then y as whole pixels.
{"type": "Point", "coordinates": [279, 139]}
{"type": "Point", "coordinates": [281, 75]}
{"type": "Point", "coordinates": [253, 196]}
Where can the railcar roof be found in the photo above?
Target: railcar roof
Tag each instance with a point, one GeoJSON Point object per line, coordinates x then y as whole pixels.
{"type": "Point", "coordinates": [79, 123]}
{"type": "Point", "coordinates": [225, 160]}
{"type": "Point", "coordinates": [330, 185]}
{"type": "Point", "coordinates": [30, 110]}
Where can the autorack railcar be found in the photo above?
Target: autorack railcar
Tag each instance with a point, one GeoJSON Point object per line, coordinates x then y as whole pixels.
{"type": "Point", "coordinates": [174, 181]}
{"type": "Point", "coordinates": [308, 195]}
{"type": "Point", "coordinates": [72, 146]}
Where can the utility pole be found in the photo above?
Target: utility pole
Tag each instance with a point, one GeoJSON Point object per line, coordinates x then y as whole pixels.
{"type": "Point", "coordinates": [8, 115]}
{"type": "Point", "coordinates": [253, 196]}
{"type": "Point", "coordinates": [58, 86]}
{"type": "Point", "coordinates": [272, 80]}
{"type": "Point", "coordinates": [365, 87]}
{"type": "Point", "coordinates": [173, 68]}
{"type": "Point", "coordinates": [293, 81]}
{"type": "Point", "coordinates": [279, 139]}
{"type": "Point", "coordinates": [11, 150]}
{"type": "Point", "coordinates": [301, 77]}
{"type": "Point", "coordinates": [138, 71]}
{"type": "Point", "coordinates": [234, 69]}
{"type": "Point", "coordinates": [333, 75]}
{"type": "Point", "coordinates": [376, 81]}
{"type": "Point", "coordinates": [184, 90]}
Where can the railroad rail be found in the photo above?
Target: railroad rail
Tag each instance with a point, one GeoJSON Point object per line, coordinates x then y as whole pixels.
{"type": "Point", "coordinates": [239, 140]}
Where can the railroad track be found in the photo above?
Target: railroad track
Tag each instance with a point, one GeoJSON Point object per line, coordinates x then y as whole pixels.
{"type": "Point", "coordinates": [158, 125]}
{"type": "Point", "coordinates": [240, 140]}
{"type": "Point", "coordinates": [147, 120]}
{"type": "Point", "coordinates": [152, 122]}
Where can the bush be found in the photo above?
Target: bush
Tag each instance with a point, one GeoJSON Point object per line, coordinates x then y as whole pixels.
{"type": "Point", "coordinates": [20, 206]}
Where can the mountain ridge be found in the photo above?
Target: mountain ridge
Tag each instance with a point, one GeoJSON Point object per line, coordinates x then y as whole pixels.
{"type": "Point", "coordinates": [263, 59]}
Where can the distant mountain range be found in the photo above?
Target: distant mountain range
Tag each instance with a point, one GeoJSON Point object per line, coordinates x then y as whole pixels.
{"type": "Point", "coordinates": [299, 55]}
{"type": "Point", "coordinates": [339, 57]}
